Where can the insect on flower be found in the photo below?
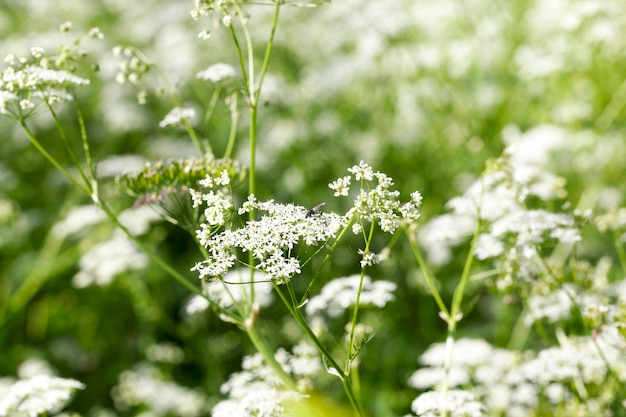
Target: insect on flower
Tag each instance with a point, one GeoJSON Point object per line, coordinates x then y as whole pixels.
{"type": "Point", "coordinates": [315, 210]}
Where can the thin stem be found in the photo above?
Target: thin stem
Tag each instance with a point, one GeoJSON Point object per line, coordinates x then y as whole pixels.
{"type": "Point", "coordinates": [261, 347]}
{"type": "Point", "coordinates": [242, 65]}
{"type": "Point", "coordinates": [211, 108]}
{"type": "Point", "coordinates": [430, 281]}
{"type": "Point", "coordinates": [268, 50]}
{"type": "Point", "coordinates": [619, 248]}
{"type": "Point", "coordinates": [250, 53]}
{"type": "Point", "coordinates": [291, 304]}
{"type": "Point", "coordinates": [329, 254]}
{"type": "Point", "coordinates": [234, 117]}
{"type": "Point", "coordinates": [356, 304]}
{"type": "Point", "coordinates": [51, 159]}
{"type": "Point", "coordinates": [459, 292]}
{"type": "Point", "coordinates": [153, 256]}
{"type": "Point", "coordinates": [66, 143]}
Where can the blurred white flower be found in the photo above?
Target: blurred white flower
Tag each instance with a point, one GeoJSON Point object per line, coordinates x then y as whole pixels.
{"type": "Point", "coordinates": [177, 114]}
{"type": "Point", "coordinates": [78, 220]}
{"type": "Point", "coordinates": [457, 403]}
{"type": "Point", "coordinates": [107, 260]}
{"type": "Point", "coordinates": [120, 164]}
{"type": "Point", "coordinates": [217, 72]}
{"type": "Point", "coordinates": [257, 391]}
{"type": "Point", "coordinates": [146, 386]}
{"type": "Point", "coordinates": [38, 395]}
{"type": "Point", "coordinates": [340, 294]}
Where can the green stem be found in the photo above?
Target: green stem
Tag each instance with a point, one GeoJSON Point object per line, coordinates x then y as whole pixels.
{"type": "Point", "coordinates": [328, 255]}
{"type": "Point", "coordinates": [456, 313]}
{"type": "Point", "coordinates": [234, 117]}
{"type": "Point", "coordinates": [265, 351]}
{"type": "Point", "coordinates": [242, 64]}
{"type": "Point", "coordinates": [268, 51]}
{"type": "Point", "coordinates": [51, 159]}
{"type": "Point", "coordinates": [66, 143]}
{"type": "Point", "coordinates": [430, 281]}
{"type": "Point", "coordinates": [211, 108]}
{"type": "Point", "coordinates": [356, 305]}
{"type": "Point", "coordinates": [291, 304]}
{"type": "Point", "coordinates": [619, 247]}
{"type": "Point", "coordinates": [153, 256]}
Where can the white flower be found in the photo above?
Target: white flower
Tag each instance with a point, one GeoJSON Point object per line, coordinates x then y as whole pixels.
{"type": "Point", "coordinates": [457, 403]}
{"type": "Point", "coordinates": [217, 72]}
{"type": "Point", "coordinates": [176, 115]}
{"type": "Point", "coordinates": [340, 294]}
{"type": "Point", "coordinates": [196, 304]}
{"type": "Point", "coordinates": [379, 203]}
{"type": "Point", "coordinates": [39, 395]}
{"type": "Point", "coordinates": [554, 306]}
{"type": "Point", "coordinates": [6, 97]}
{"type": "Point", "coordinates": [270, 240]}
{"type": "Point", "coordinates": [107, 260]}
{"type": "Point", "coordinates": [78, 220]}
{"type": "Point", "coordinates": [146, 386]}
{"type": "Point", "coordinates": [362, 171]}
{"type": "Point", "coordinates": [257, 391]}
{"type": "Point", "coordinates": [341, 186]}
{"type": "Point", "coordinates": [369, 258]}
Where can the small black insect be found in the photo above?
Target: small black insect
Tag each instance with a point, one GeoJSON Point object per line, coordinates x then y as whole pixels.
{"type": "Point", "coordinates": [315, 210]}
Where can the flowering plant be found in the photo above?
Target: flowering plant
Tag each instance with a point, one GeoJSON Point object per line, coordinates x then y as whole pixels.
{"type": "Point", "coordinates": [287, 301]}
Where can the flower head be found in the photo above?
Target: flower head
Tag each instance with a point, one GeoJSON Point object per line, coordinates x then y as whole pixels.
{"type": "Point", "coordinates": [38, 395]}
{"type": "Point", "coordinates": [340, 294]}
{"type": "Point", "coordinates": [377, 203]}
{"type": "Point", "coordinates": [217, 73]}
{"type": "Point", "coordinates": [271, 240]}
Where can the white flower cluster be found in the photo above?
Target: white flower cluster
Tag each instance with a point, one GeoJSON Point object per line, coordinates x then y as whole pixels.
{"type": "Point", "coordinates": [340, 294]}
{"type": "Point", "coordinates": [271, 239]}
{"type": "Point", "coordinates": [176, 116]}
{"type": "Point", "coordinates": [378, 203]}
{"type": "Point", "coordinates": [108, 259]}
{"type": "Point", "coordinates": [145, 385]}
{"type": "Point", "coordinates": [498, 200]}
{"type": "Point", "coordinates": [524, 230]}
{"type": "Point", "coordinates": [457, 403]}
{"type": "Point", "coordinates": [217, 73]}
{"type": "Point", "coordinates": [38, 396]}
{"type": "Point", "coordinates": [217, 10]}
{"type": "Point", "coordinates": [515, 383]}
{"type": "Point", "coordinates": [257, 391]}
{"type": "Point", "coordinates": [35, 77]}
{"type": "Point", "coordinates": [218, 203]}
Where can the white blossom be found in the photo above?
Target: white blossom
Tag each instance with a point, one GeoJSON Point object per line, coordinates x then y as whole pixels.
{"type": "Point", "coordinates": [146, 386]}
{"type": "Point", "coordinates": [271, 240]}
{"type": "Point", "coordinates": [107, 260]}
{"type": "Point", "coordinates": [457, 403]}
{"type": "Point", "coordinates": [340, 294]}
{"type": "Point", "coordinates": [176, 116]}
{"type": "Point", "coordinates": [217, 72]}
{"type": "Point", "coordinates": [38, 395]}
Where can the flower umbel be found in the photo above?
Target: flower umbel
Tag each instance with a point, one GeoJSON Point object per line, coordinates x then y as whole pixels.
{"type": "Point", "coordinates": [38, 396]}
{"type": "Point", "coordinates": [271, 240]}
{"type": "Point", "coordinates": [379, 203]}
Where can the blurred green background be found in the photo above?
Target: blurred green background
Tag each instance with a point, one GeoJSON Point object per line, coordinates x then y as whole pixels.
{"type": "Point", "coordinates": [421, 90]}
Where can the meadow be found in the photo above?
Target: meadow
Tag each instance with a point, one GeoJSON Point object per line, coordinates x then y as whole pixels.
{"type": "Point", "coordinates": [282, 208]}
